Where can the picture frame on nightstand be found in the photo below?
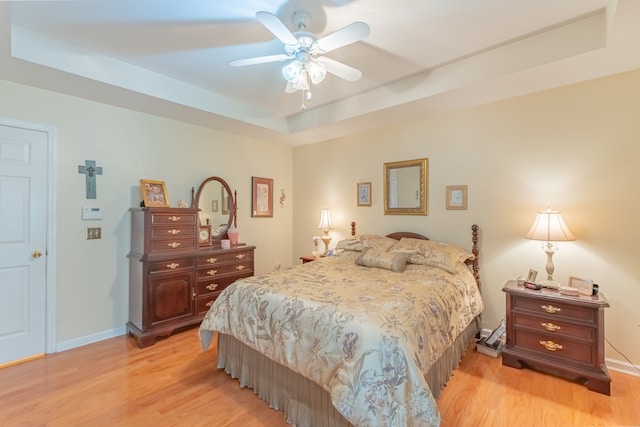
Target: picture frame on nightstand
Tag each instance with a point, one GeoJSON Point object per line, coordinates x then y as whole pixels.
{"type": "Point", "coordinates": [583, 285]}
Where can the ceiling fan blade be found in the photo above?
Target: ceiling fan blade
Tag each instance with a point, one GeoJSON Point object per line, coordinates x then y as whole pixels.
{"type": "Point", "coordinates": [259, 60]}
{"type": "Point", "coordinates": [339, 69]}
{"type": "Point", "coordinates": [275, 25]}
{"type": "Point", "coordinates": [344, 36]}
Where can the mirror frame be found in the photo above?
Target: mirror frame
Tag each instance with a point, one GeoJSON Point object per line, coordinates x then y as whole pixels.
{"type": "Point", "coordinates": [423, 164]}
{"type": "Point", "coordinates": [232, 208]}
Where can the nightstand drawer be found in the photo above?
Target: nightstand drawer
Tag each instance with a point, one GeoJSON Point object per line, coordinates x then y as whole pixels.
{"type": "Point", "coordinates": [551, 309]}
{"type": "Point", "coordinates": [555, 346]}
{"type": "Point", "coordinates": [552, 326]}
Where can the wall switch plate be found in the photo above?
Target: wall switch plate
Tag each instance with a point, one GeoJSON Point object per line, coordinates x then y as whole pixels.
{"type": "Point", "coordinates": [94, 233]}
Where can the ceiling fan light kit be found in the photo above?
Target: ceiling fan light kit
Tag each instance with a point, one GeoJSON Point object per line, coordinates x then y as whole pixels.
{"type": "Point", "coordinates": [304, 50]}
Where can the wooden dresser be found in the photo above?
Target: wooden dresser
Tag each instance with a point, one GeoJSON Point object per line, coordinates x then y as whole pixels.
{"type": "Point", "coordinates": [559, 334]}
{"type": "Point", "coordinates": [172, 282]}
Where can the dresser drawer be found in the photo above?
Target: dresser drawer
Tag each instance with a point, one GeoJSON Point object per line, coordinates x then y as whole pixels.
{"type": "Point", "coordinates": [164, 218]}
{"type": "Point", "coordinates": [179, 230]}
{"type": "Point", "coordinates": [227, 257]}
{"type": "Point", "coordinates": [551, 325]}
{"type": "Point", "coordinates": [172, 245]}
{"type": "Point", "coordinates": [209, 285]}
{"type": "Point", "coordinates": [235, 269]}
{"type": "Point", "coordinates": [171, 265]}
{"type": "Point", "coordinates": [565, 348]}
{"type": "Point", "coordinates": [554, 309]}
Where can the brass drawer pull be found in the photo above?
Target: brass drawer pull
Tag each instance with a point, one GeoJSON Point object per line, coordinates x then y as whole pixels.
{"type": "Point", "coordinates": [212, 272]}
{"type": "Point", "coordinates": [551, 346]}
{"type": "Point", "coordinates": [240, 256]}
{"type": "Point", "coordinates": [173, 231]}
{"type": "Point", "coordinates": [550, 308]}
{"type": "Point", "coordinates": [240, 267]}
{"type": "Point", "coordinates": [550, 327]}
{"type": "Point", "coordinates": [173, 265]}
{"type": "Point", "coordinates": [173, 245]}
{"type": "Point", "coordinates": [209, 304]}
{"type": "Point", "coordinates": [212, 286]}
{"type": "Point", "coordinates": [211, 260]}
{"type": "Point", "coordinates": [174, 218]}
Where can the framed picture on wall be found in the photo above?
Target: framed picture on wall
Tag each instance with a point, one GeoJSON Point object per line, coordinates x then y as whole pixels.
{"type": "Point", "coordinates": [154, 193]}
{"type": "Point", "coordinates": [262, 197]}
{"type": "Point", "coordinates": [363, 192]}
{"type": "Point", "coordinates": [457, 197]}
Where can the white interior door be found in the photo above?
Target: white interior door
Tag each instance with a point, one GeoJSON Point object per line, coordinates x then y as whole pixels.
{"type": "Point", "coordinates": [23, 232]}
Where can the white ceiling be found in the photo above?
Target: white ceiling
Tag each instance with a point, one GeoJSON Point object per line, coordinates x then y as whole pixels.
{"type": "Point", "coordinates": [171, 57]}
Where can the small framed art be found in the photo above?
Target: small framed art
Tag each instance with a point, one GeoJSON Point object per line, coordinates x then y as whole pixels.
{"type": "Point", "coordinates": [154, 193]}
{"type": "Point", "coordinates": [262, 197]}
{"type": "Point", "coordinates": [363, 191]}
{"type": "Point", "coordinates": [584, 286]}
{"type": "Point", "coordinates": [457, 197]}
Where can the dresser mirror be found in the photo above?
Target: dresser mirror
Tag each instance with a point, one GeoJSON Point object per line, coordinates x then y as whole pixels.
{"type": "Point", "coordinates": [216, 204]}
{"type": "Point", "coordinates": [405, 187]}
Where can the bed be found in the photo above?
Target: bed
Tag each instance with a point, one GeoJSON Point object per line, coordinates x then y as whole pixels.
{"type": "Point", "coordinates": [366, 337]}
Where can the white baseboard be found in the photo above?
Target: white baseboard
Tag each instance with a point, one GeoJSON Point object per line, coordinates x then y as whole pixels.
{"type": "Point", "coordinates": [613, 364]}
{"type": "Point", "coordinates": [89, 339]}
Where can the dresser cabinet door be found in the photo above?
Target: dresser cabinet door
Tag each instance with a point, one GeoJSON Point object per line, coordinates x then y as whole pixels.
{"type": "Point", "coordinates": [170, 297]}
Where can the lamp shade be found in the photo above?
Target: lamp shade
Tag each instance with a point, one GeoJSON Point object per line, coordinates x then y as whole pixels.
{"type": "Point", "coordinates": [325, 220]}
{"type": "Point", "coordinates": [549, 227]}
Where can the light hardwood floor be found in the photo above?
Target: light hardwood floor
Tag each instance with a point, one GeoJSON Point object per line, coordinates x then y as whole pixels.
{"type": "Point", "coordinates": [174, 383]}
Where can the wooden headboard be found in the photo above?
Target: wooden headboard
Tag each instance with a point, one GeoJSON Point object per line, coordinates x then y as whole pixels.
{"type": "Point", "coordinates": [473, 264]}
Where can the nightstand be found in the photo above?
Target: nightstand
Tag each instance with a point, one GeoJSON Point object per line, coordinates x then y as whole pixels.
{"type": "Point", "coordinates": [558, 334]}
{"type": "Point", "coordinates": [308, 258]}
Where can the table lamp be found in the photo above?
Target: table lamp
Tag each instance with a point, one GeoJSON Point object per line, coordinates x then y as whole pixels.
{"type": "Point", "coordinates": [549, 227]}
{"type": "Point", "coordinates": [325, 225]}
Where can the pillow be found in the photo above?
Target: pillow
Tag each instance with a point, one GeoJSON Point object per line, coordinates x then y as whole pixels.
{"type": "Point", "coordinates": [371, 257]}
{"type": "Point", "coordinates": [352, 244]}
{"type": "Point", "coordinates": [358, 243]}
{"type": "Point", "coordinates": [382, 243]}
{"type": "Point", "coordinates": [433, 254]}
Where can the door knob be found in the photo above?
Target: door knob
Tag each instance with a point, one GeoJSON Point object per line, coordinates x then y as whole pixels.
{"type": "Point", "coordinates": [36, 254]}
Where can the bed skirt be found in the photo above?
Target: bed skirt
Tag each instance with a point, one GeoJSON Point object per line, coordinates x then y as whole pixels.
{"type": "Point", "coordinates": [304, 402]}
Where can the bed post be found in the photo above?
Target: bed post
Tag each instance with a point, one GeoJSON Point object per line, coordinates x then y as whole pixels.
{"type": "Point", "coordinates": [474, 251]}
{"type": "Point", "coordinates": [353, 228]}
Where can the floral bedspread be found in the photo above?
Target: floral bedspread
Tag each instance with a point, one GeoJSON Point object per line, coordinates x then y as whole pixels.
{"type": "Point", "coordinates": [364, 334]}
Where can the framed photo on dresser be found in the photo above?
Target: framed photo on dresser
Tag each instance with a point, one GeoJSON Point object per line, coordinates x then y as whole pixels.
{"type": "Point", "coordinates": [154, 193]}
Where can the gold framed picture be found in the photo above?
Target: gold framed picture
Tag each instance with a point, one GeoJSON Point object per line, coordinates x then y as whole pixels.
{"type": "Point", "coordinates": [154, 193]}
{"type": "Point", "coordinates": [456, 197]}
{"type": "Point", "coordinates": [262, 197]}
{"type": "Point", "coordinates": [364, 193]}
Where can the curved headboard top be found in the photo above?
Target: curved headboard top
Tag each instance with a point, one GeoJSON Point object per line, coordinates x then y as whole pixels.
{"type": "Point", "coordinates": [401, 234]}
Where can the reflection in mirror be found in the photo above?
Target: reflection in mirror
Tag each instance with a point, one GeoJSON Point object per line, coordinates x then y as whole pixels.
{"type": "Point", "coordinates": [216, 205]}
{"type": "Point", "coordinates": [405, 187]}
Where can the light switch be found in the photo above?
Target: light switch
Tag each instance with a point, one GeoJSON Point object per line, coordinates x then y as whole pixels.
{"type": "Point", "coordinates": [94, 233]}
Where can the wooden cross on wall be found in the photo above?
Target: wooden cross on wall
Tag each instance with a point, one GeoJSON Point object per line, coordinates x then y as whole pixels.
{"type": "Point", "coordinates": [90, 170]}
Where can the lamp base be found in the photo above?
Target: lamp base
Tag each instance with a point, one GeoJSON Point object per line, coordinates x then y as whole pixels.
{"type": "Point", "coordinates": [551, 284]}
{"type": "Point", "coordinates": [326, 240]}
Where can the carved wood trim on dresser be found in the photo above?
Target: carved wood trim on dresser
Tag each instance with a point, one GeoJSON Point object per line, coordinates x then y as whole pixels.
{"type": "Point", "coordinates": [172, 282]}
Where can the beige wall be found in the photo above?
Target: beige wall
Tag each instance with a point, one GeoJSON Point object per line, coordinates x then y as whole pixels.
{"type": "Point", "coordinates": [575, 149]}
{"type": "Point", "coordinates": [92, 276]}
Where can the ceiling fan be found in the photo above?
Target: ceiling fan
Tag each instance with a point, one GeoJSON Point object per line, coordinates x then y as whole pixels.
{"type": "Point", "coordinates": [305, 52]}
